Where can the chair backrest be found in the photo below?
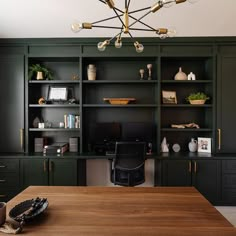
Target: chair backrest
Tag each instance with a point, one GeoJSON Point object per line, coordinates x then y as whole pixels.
{"type": "Point", "coordinates": [129, 155]}
{"type": "Point", "coordinates": [129, 163]}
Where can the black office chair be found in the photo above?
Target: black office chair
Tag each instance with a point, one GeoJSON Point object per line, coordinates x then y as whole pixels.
{"type": "Point", "coordinates": [128, 167]}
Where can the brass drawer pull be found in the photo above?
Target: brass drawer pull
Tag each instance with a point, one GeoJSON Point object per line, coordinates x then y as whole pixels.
{"type": "Point", "coordinates": [189, 167]}
{"type": "Point", "coordinates": [2, 180]}
{"type": "Point", "coordinates": [1, 195]}
{"type": "Point", "coordinates": [219, 139]}
{"type": "Point", "coordinates": [2, 166]}
{"type": "Point", "coordinates": [195, 167]}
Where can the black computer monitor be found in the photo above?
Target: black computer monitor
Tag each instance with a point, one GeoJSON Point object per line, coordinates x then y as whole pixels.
{"type": "Point", "coordinates": [104, 135]}
{"type": "Point", "coordinates": [138, 131]}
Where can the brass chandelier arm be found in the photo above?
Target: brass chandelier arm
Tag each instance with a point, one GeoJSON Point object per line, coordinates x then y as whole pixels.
{"type": "Point", "coordinates": [107, 27]}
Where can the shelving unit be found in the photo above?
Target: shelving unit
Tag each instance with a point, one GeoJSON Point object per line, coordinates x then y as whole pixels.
{"type": "Point", "coordinates": [183, 112]}
{"type": "Point", "coordinates": [119, 77]}
{"type": "Point", "coordinates": [66, 73]}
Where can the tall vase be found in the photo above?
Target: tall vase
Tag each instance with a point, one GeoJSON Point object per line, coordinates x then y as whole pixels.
{"type": "Point", "coordinates": [91, 72]}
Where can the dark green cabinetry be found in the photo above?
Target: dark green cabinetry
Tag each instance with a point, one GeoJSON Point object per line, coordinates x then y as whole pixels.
{"type": "Point", "coordinates": [50, 171]}
{"type": "Point", "coordinates": [12, 102]}
{"type": "Point", "coordinates": [226, 112]}
{"type": "Point", "coordinates": [66, 74]}
{"type": "Point", "coordinates": [202, 174]}
{"type": "Point", "coordinates": [229, 182]}
{"type": "Point", "coordinates": [182, 112]}
{"type": "Point", "coordinates": [9, 178]}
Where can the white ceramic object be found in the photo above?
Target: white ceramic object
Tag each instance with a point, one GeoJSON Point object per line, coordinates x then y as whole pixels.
{"type": "Point", "coordinates": [191, 76]}
{"type": "Point", "coordinates": [181, 75]}
{"type": "Point", "coordinates": [192, 145]}
{"type": "Point", "coordinates": [164, 145]}
{"type": "Point", "coordinates": [91, 72]}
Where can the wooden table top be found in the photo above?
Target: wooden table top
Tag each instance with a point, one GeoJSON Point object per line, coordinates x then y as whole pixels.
{"type": "Point", "coordinates": [104, 211]}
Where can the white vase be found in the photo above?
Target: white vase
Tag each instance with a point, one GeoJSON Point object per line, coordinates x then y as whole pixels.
{"type": "Point", "coordinates": [192, 145]}
{"type": "Point", "coordinates": [91, 72]}
{"type": "Point", "coordinates": [39, 75]}
{"type": "Point", "coordinates": [180, 75]}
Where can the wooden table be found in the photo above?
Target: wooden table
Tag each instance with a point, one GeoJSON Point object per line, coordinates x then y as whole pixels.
{"type": "Point", "coordinates": [123, 211]}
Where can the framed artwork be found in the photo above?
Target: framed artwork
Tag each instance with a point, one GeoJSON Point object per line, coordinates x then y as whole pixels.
{"type": "Point", "coordinates": [169, 97]}
{"type": "Point", "coordinates": [57, 93]}
{"type": "Point", "coordinates": [204, 145]}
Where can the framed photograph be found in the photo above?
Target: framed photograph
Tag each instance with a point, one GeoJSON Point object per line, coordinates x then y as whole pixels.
{"type": "Point", "coordinates": [57, 93]}
{"type": "Point", "coordinates": [169, 97]}
{"type": "Point", "coordinates": [204, 145]}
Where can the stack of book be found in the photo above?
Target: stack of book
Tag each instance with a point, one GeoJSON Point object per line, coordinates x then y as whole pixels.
{"type": "Point", "coordinates": [56, 148]}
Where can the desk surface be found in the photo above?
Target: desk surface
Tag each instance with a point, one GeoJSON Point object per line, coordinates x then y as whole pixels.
{"type": "Point", "coordinates": [123, 211]}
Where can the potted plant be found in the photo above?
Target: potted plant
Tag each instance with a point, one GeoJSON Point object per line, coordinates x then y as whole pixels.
{"type": "Point", "coordinates": [39, 72]}
{"type": "Point", "coordinates": [197, 98]}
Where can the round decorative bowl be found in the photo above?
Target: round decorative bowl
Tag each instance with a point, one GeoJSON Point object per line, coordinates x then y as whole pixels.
{"type": "Point", "coordinates": [197, 102]}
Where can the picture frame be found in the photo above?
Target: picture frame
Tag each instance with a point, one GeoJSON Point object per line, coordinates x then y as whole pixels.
{"type": "Point", "coordinates": [204, 144]}
{"type": "Point", "coordinates": [56, 93]}
{"type": "Point", "coordinates": [169, 97]}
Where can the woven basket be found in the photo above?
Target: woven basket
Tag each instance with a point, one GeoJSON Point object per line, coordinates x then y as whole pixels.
{"type": "Point", "coordinates": [197, 102]}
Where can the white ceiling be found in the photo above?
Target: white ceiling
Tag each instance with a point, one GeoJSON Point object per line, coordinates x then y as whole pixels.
{"type": "Point", "coordinates": [53, 18]}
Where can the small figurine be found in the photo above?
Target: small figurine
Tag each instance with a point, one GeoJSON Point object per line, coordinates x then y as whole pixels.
{"type": "Point", "coordinates": [141, 71]}
{"type": "Point", "coordinates": [149, 67]}
{"type": "Point", "coordinates": [191, 76]}
{"type": "Point", "coordinates": [164, 145]}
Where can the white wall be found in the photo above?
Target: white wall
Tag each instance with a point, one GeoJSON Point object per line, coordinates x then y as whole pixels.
{"type": "Point", "coordinates": [52, 18]}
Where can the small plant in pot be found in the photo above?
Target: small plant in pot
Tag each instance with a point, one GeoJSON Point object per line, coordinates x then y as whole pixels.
{"type": "Point", "coordinates": [197, 98]}
{"type": "Point", "coordinates": [39, 72]}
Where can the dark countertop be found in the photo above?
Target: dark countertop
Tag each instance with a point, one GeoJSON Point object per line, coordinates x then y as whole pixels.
{"type": "Point", "coordinates": [91, 156]}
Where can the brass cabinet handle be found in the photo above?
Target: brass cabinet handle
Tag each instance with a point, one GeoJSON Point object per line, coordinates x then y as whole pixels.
{"type": "Point", "coordinates": [189, 166]}
{"type": "Point", "coordinates": [45, 166]}
{"type": "Point", "coordinates": [195, 167]}
{"type": "Point", "coordinates": [2, 180]}
{"type": "Point", "coordinates": [219, 139]}
{"type": "Point", "coordinates": [2, 166]}
{"type": "Point", "coordinates": [22, 139]}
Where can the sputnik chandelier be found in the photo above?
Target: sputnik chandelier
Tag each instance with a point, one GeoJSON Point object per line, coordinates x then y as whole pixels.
{"type": "Point", "coordinates": [125, 27]}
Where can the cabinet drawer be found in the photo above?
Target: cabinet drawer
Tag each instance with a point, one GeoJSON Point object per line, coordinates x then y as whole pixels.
{"type": "Point", "coordinates": [8, 193]}
{"type": "Point", "coordinates": [229, 166]}
{"type": "Point", "coordinates": [7, 165]}
{"type": "Point", "coordinates": [9, 179]}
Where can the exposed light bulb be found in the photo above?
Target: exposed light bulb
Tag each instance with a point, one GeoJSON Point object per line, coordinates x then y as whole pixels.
{"type": "Point", "coordinates": [168, 3]}
{"type": "Point", "coordinates": [139, 47]}
{"type": "Point", "coordinates": [102, 45]}
{"type": "Point", "coordinates": [171, 32]}
{"type": "Point", "coordinates": [118, 42]}
{"type": "Point", "coordinates": [76, 27]}
{"type": "Point", "coordinates": [193, 1]}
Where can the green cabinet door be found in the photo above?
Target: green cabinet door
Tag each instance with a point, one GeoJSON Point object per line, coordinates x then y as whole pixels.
{"type": "Point", "coordinates": [226, 109]}
{"type": "Point", "coordinates": [206, 178]}
{"type": "Point", "coordinates": [176, 173]}
{"type": "Point", "coordinates": [62, 172]}
{"type": "Point", "coordinates": [12, 103]}
{"type": "Point", "coordinates": [34, 172]}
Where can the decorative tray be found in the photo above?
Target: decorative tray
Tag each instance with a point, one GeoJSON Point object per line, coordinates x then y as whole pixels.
{"type": "Point", "coordinates": [28, 210]}
{"type": "Point", "coordinates": [119, 101]}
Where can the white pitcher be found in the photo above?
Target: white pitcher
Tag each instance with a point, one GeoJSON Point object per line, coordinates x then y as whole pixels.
{"type": "Point", "coordinates": [192, 145]}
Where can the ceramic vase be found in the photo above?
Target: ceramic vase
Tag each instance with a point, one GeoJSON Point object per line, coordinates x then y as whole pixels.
{"type": "Point", "coordinates": [91, 72]}
{"type": "Point", "coordinates": [39, 75]}
{"type": "Point", "coordinates": [180, 75]}
{"type": "Point", "coordinates": [192, 145]}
